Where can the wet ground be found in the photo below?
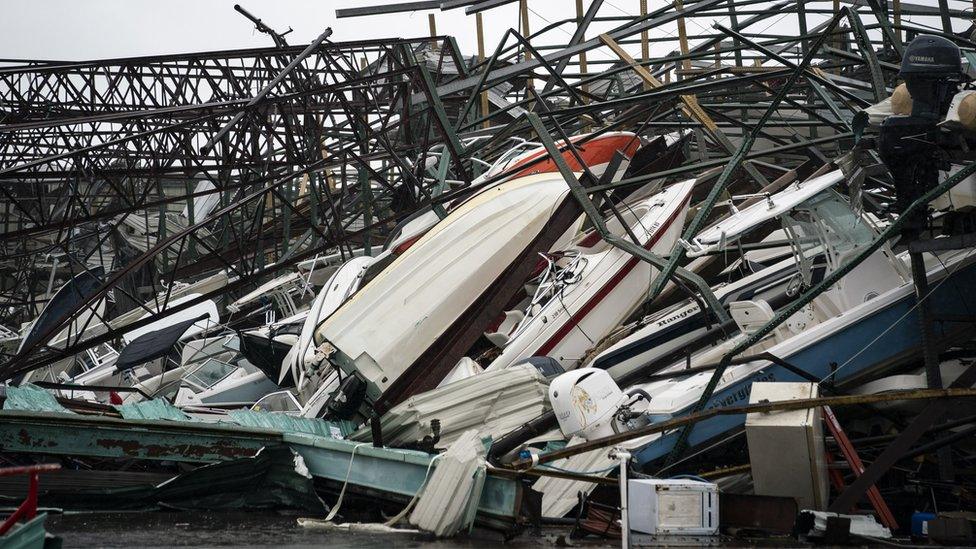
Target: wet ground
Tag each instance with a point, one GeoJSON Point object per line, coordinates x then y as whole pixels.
{"type": "Point", "coordinates": [199, 529]}
{"type": "Point", "coordinates": [281, 531]}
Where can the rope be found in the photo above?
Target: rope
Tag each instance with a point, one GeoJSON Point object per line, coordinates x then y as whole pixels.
{"type": "Point", "coordinates": [342, 493]}
{"type": "Point", "coordinates": [345, 483]}
{"type": "Point", "coordinates": [901, 318]}
{"type": "Point", "coordinates": [399, 516]}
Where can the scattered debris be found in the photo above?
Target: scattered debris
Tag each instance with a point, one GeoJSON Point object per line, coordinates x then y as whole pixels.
{"type": "Point", "coordinates": [450, 498]}
{"type": "Point", "coordinates": [835, 528]}
{"type": "Point", "coordinates": [553, 283]}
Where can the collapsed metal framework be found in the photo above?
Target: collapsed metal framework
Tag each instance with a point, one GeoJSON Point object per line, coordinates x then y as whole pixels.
{"type": "Point", "coordinates": [303, 152]}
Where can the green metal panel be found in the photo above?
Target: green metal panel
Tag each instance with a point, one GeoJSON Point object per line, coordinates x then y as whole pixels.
{"type": "Point", "coordinates": [290, 424]}
{"type": "Point", "coordinates": [393, 471]}
{"type": "Point", "coordinates": [866, 48]}
{"type": "Point", "coordinates": [31, 398]}
{"type": "Point", "coordinates": [25, 535]}
{"type": "Point", "coordinates": [63, 434]}
{"type": "Point", "coordinates": [152, 409]}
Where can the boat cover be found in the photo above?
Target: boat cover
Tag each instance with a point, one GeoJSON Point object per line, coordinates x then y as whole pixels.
{"type": "Point", "coordinates": [65, 300]}
{"type": "Point", "coordinates": [153, 345]}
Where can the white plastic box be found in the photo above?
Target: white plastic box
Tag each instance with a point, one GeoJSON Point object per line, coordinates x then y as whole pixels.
{"type": "Point", "coordinates": [786, 448]}
{"type": "Point", "coordinates": [672, 507]}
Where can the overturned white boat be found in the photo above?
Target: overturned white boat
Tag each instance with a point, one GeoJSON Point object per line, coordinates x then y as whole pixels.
{"type": "Point", "coordinates": [394, 319]}
{"type": "Point", "coordinates": [598, 153]}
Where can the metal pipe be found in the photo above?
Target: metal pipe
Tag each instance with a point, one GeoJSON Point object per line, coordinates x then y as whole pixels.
{"type": "Point", "coordinates": [623, 456]}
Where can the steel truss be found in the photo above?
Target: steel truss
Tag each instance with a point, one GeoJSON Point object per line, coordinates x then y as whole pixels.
{"type": "Point", "coordinates": [320, 149]}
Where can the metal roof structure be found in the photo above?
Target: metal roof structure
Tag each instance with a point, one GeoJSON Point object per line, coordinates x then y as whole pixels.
{"type": "Point", "coordinates": [169, 169]}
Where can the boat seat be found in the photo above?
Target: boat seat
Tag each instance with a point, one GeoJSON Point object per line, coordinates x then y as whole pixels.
{"type": "Point", "coordinates": [750, 315]}
{"type": "Point", "coordinates": [500, 337]}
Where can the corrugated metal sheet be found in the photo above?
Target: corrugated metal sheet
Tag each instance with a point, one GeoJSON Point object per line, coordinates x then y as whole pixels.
{"type": "Point", "coordinates": [493, 403]}
{"type": "Point", "coordinates": [152, 409]}
{"type": "Point", "coordinates": [76, 481]}
{"type": "Point", "coordinates": [274, 478]}
{"type": "Point", "coordinates": [109, 437]}
{"type": "Point", "coordinates": [290, 424]}
{"type": "Point", "coordinates": [559, 494]}
{"type": "Point", "coordinates": [25, 535]}
{"type": "Point", "coordinates": [31, 398]}
{"type": "Point", "coordinates": [455, 486]}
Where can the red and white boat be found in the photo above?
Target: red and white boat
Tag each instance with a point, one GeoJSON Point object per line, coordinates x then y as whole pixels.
{"type": "Point", "coordinates": [590, 288]}
{"type": "Point", "coordinates": [597, 153]}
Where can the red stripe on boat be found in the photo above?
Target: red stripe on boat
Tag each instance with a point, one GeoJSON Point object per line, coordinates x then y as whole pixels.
{"type": "Point", "coordinates": [598, 151]}
{"type": "Point", "coordinates": [608, 287]}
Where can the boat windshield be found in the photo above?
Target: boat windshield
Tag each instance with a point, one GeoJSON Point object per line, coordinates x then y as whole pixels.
{"type": "Point", "coordinates": [281, 401]}
{"type": "Point", "coordinates": [829, 221]}
{"type": "Point", "coordinates": [209, 373]}
{"type": "Point", "coordinates": [512, 153]}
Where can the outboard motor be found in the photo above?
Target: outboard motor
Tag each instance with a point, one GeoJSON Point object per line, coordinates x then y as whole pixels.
{"type": "Point", "coordinates": [910, 146]}
{"type": "Point", "coordinates": [588, 403]}
{"type": "Point", "coordinates": [346, 400]}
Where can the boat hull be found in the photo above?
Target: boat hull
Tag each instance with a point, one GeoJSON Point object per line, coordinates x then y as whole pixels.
{"type": "Point", "coordinates": [596, 154]}
{"type": "Point", "coordinates": [877, 335]}
{"type": "Point", "coordinates": [396, 317]}
{"type": "Point", "coordinates": [610, 292]}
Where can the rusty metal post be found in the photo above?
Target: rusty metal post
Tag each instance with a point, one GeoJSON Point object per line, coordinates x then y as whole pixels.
{"type": "Point", "coordinates": [930, 357]}
{"type": "Point", "coordinates": [480, 30]}
{"type": "Point", "coordinates": [524, 17]}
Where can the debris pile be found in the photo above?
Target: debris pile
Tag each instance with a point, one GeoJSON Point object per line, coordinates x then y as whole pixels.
{"type": "Point", "coordinates": [719, 287]}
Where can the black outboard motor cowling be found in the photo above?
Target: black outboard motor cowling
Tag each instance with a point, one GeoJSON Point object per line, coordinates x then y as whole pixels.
{"type": "Point", "coordinates": [346, 400]}
{"type": "Point", "coordinates": [909, 145]}
{"type": "Point", "coordinates": [932, 70]}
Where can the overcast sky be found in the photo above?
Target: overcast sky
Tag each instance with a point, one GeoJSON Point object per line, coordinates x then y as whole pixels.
{"type": "Point", "coordinates": [93, 29]}
{"type": "Point", "coordinates": [89, 29]}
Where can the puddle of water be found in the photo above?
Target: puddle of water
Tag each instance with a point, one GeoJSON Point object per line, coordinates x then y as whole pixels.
{"type": "Point", "coordinates": [208, 529]}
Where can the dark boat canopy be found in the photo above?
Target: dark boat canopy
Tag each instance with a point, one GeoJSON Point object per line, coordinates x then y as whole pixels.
{"type": "Point", "coordinates": [153, 345]}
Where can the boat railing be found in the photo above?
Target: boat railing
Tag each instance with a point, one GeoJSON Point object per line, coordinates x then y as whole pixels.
{"type": "Point", "coordinates": [27, 509]}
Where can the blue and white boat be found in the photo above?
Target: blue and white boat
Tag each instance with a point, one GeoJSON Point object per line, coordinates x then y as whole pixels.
{"type": "Point", "coordinates": [862, 326]}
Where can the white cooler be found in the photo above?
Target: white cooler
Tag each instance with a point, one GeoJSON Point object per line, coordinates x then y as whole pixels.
{"type": "Point", "coordinates": [672, 507]}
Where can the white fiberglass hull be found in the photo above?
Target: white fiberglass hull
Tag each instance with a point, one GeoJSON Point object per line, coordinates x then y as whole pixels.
{"type": "Point", "coordinates": [342, 284]}
{"type": "Point", "coordinates": [398, 315]}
